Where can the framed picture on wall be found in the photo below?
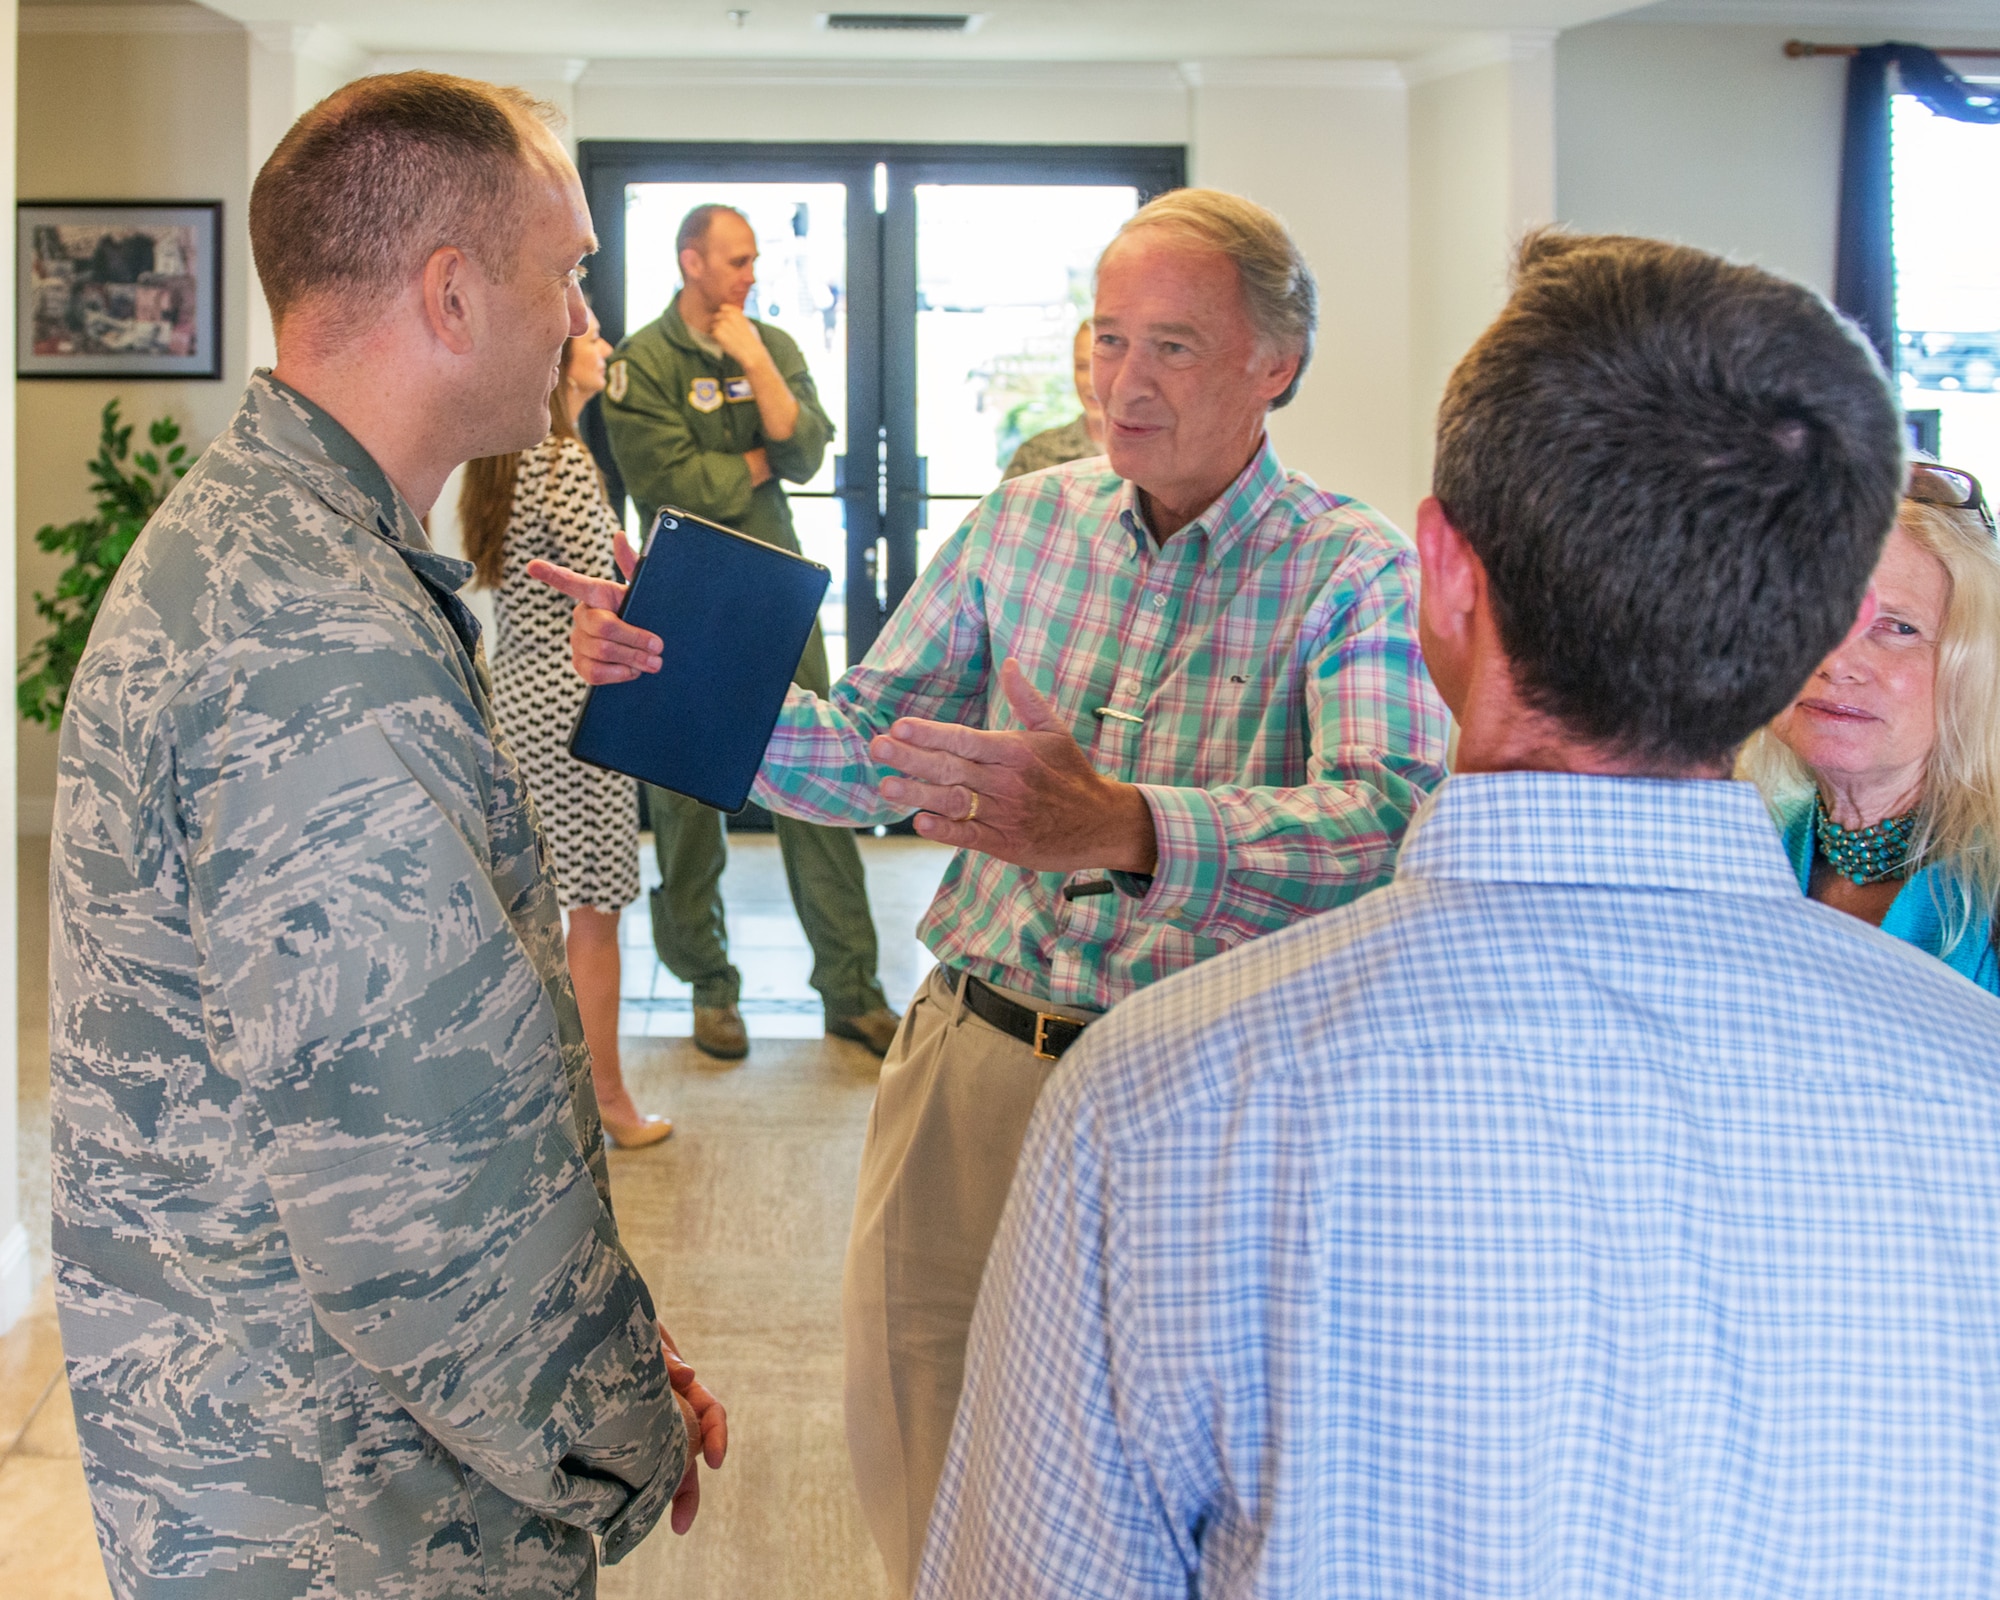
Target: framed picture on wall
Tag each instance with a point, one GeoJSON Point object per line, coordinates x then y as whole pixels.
{"type": "Point", "coordinates": [118, 289]}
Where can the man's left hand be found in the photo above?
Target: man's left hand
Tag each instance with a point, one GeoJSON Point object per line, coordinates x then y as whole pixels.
{"type": "Point", "coordinates": [1030, 796]}
{"type": "Point", "coordinates": [707, 1431]}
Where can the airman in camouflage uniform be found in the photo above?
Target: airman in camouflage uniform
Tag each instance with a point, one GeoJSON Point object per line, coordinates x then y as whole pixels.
{"type": "Point", "coordinates": [342, 1297]}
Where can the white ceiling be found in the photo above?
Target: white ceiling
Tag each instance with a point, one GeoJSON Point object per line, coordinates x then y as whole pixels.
{"type": "Point", "coordinates": [1858, 21]}
{"type": "Point", "coordinates": [1009, 30]}
{"type": "Point", "coordinates": [1036, 30]}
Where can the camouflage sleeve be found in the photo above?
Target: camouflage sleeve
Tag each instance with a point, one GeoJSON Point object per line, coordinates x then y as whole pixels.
{"type": "Point", "coordinates": [796, 459]}
{"type": "Point", "coordinates": [400, 1065]}
{"type": "Point", "coordinates": [661, 460]}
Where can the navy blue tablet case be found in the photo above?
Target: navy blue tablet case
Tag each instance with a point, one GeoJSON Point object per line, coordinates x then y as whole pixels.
{"type": "Point", "coordinates": [733, 615]}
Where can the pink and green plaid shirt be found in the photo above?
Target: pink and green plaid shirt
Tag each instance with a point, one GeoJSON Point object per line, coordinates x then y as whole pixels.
{"type": "Point", "coordinates": [1258, 677]}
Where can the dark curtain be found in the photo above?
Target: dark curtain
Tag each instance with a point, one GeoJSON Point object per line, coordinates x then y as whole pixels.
{"type": "Point", "coordinates": [1864, 274]}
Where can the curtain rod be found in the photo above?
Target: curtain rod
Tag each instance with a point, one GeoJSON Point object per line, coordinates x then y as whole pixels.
{"type": "Point", "coordinates": [1798, 48]}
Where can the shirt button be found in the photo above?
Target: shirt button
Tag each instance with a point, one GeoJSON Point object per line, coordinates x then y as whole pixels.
{"type": "Point", "coordinates": [1159, 602]}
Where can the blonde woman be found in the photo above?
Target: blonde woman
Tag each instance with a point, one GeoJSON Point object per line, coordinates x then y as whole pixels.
{"type": "Point", "coordinates": [549, 502]}
{"type": "Point", "coordinates": [1884, 773]}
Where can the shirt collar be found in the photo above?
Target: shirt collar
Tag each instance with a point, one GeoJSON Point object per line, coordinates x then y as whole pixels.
{"type": "Point", "coordinates": [1234, 512]}
{"type": "Point", "coordinates": [329, 458]}
{"type": "Point", "coordinates": [675, 327]}
{"type": "Point", "coordinates": [335, 466]}
{"type": "Point", "coordinates": [1700, 835]}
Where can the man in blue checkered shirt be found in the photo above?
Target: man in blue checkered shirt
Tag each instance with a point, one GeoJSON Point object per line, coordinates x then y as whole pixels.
{"type": "Point", "coordinates": [1587, 1213]}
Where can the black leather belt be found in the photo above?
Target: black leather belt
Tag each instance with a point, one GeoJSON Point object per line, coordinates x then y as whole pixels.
{"type": "Point", "coordinates": [1049, 1034]}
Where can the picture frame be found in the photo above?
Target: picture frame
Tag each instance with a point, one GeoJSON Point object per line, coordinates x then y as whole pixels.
{"type": "Point", "coordinates": [118, 289]}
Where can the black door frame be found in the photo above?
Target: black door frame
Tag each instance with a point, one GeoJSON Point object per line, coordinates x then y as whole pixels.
{"type": "Point", "coordinates": [879, 479]}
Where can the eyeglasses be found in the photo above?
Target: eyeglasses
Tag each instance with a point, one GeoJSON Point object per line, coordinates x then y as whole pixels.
{"type": "Point", "coordinates": [1933, 485]}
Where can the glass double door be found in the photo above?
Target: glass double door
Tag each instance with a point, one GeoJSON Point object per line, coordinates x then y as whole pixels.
{"type": "Point", "coordinates": [934, 292]}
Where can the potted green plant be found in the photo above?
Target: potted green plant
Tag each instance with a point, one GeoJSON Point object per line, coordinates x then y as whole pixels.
{"type": "Point", "coordinates": [126, 498]}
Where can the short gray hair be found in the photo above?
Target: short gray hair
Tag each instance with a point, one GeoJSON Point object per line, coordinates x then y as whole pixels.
{"type": "Point", "coordinates": [1279, 293]}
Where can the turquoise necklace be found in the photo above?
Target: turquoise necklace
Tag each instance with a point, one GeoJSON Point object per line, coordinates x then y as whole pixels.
{"type": "Point", "coordinates": [1865, 855]}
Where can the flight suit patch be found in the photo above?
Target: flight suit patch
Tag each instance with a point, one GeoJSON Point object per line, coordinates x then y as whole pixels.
{"type": "Point", "coordinates": [737, 388]}
{"type": "Point", "coordinates": [615, 381]}
{"type": "Point", "coordinates": [705, 394]}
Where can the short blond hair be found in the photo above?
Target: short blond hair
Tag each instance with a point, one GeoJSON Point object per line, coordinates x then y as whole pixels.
{"type": "Point", "coordinates": [1279, 292]}
{"type": "Point", "coordinates": [381, 173]}
{"type": "Point", "coordinates": [1958, 818]}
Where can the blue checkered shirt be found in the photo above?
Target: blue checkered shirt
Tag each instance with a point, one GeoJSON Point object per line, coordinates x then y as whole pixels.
{"type": "Point", "coordinates": [1585, 1214]}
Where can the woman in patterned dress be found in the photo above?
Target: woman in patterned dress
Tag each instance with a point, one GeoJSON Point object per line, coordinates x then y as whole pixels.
{"type": "Point", "coordinates": [549, 502]}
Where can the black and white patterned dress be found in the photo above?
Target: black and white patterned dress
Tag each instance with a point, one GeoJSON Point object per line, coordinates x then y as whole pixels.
{"type": "Point", "coordinates": [589, 816]}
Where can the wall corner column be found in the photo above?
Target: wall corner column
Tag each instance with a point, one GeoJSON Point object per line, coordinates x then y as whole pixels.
{"type": "Point", "coordinates": [1482, 173]}
{"type": "Point", "coordinates": [1325, 144]}
{"type": "Point", "coordinates": [16, 1267]}
{"type": "Point", "coordinates": [291, 70]}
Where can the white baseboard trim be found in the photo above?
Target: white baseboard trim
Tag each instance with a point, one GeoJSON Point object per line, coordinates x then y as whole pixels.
{"type": "Point", "coordinates": [17, 1277]}
{"type": "Point", "coordinates": [35, 815]}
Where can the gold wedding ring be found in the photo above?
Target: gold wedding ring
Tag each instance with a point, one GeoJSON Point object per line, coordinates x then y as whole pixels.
{"type": "Point", "coordinates": [972, 808]}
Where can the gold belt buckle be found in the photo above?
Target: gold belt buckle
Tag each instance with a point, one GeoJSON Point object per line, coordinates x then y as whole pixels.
{"type": "Point", "coordinates": [1042, 1021]}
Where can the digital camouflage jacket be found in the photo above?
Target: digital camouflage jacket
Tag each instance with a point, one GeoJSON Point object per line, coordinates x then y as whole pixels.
{"type": "Point", "coordinates": [342, 1297]}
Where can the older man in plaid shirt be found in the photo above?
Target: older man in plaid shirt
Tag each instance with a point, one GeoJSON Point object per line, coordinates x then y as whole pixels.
{"type": "Point", "coordinates": [1587, 1215]}
{"type": "Point", "coordinates": [1163, 704]}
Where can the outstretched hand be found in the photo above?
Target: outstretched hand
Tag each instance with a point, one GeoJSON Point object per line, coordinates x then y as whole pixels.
{"type": "Point", "coordinates": [707, 1426]}
{"type": "Point", "coordinates": [602, 648]}
{"type": "Point", "coordinates": [1029, 796]}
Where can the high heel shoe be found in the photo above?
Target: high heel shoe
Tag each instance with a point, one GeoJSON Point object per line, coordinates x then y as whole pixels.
{"type": "Point", "coordinates": [637, 1135]}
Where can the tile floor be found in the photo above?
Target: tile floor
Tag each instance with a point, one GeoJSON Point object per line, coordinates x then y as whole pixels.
{"type": "Point", "coordinates": [738, 1223]}
{"type": "Point", "coordinates": [766, 945]}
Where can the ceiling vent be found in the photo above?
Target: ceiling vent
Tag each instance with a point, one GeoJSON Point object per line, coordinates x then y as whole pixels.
{"type": "Point", "coordinates": [900, 21]}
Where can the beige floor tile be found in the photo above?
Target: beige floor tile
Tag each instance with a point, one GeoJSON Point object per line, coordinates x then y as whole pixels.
{"type": "Point", "coordinates": [778, 1522]}
{"type": "Point", "coordinates": [739, 1223]}
{"type": "Point", "coordinates": [30, 1364]}
{"type": "Point", "coordinates": [51, 1432]}
{"type": "Point", "coordinates": [48, 1550]}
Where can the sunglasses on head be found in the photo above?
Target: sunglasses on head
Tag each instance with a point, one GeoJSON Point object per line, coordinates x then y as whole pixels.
{"type": "Point", "coordinates": [1935, 485]}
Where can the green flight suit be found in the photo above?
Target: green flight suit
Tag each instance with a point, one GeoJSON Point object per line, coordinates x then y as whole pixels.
{"type": "Point", "coordinates": [681, 418]}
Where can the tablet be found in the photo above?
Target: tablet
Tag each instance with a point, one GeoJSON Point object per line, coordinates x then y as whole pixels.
{"type": "Point", "coordinates": [733, 616]}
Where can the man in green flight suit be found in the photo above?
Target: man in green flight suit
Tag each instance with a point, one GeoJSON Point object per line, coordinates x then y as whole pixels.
{"type": "Point", "coordinates": [708, 410]}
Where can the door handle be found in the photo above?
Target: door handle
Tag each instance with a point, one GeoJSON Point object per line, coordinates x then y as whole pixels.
{"type": "Point", "coordinates": [867, 492]}
{"type": "Point", "coordinates": [917, 492]}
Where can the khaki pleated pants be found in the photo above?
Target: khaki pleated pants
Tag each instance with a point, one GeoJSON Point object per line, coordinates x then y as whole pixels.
{"type": "Point", "coordinates": [950, 1114]}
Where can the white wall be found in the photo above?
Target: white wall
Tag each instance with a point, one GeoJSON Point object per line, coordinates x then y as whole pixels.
{"type": "Point", "coordinates": [917, 103]}
{"type": "Point", "coordinates": [286, 70]}
{"type": "Point", "coordinates": [1482, 172]}
{"type": "Point", "coordinates": [1326, 146]}
{"type": "Point", "coordinates": [1708, 135]}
